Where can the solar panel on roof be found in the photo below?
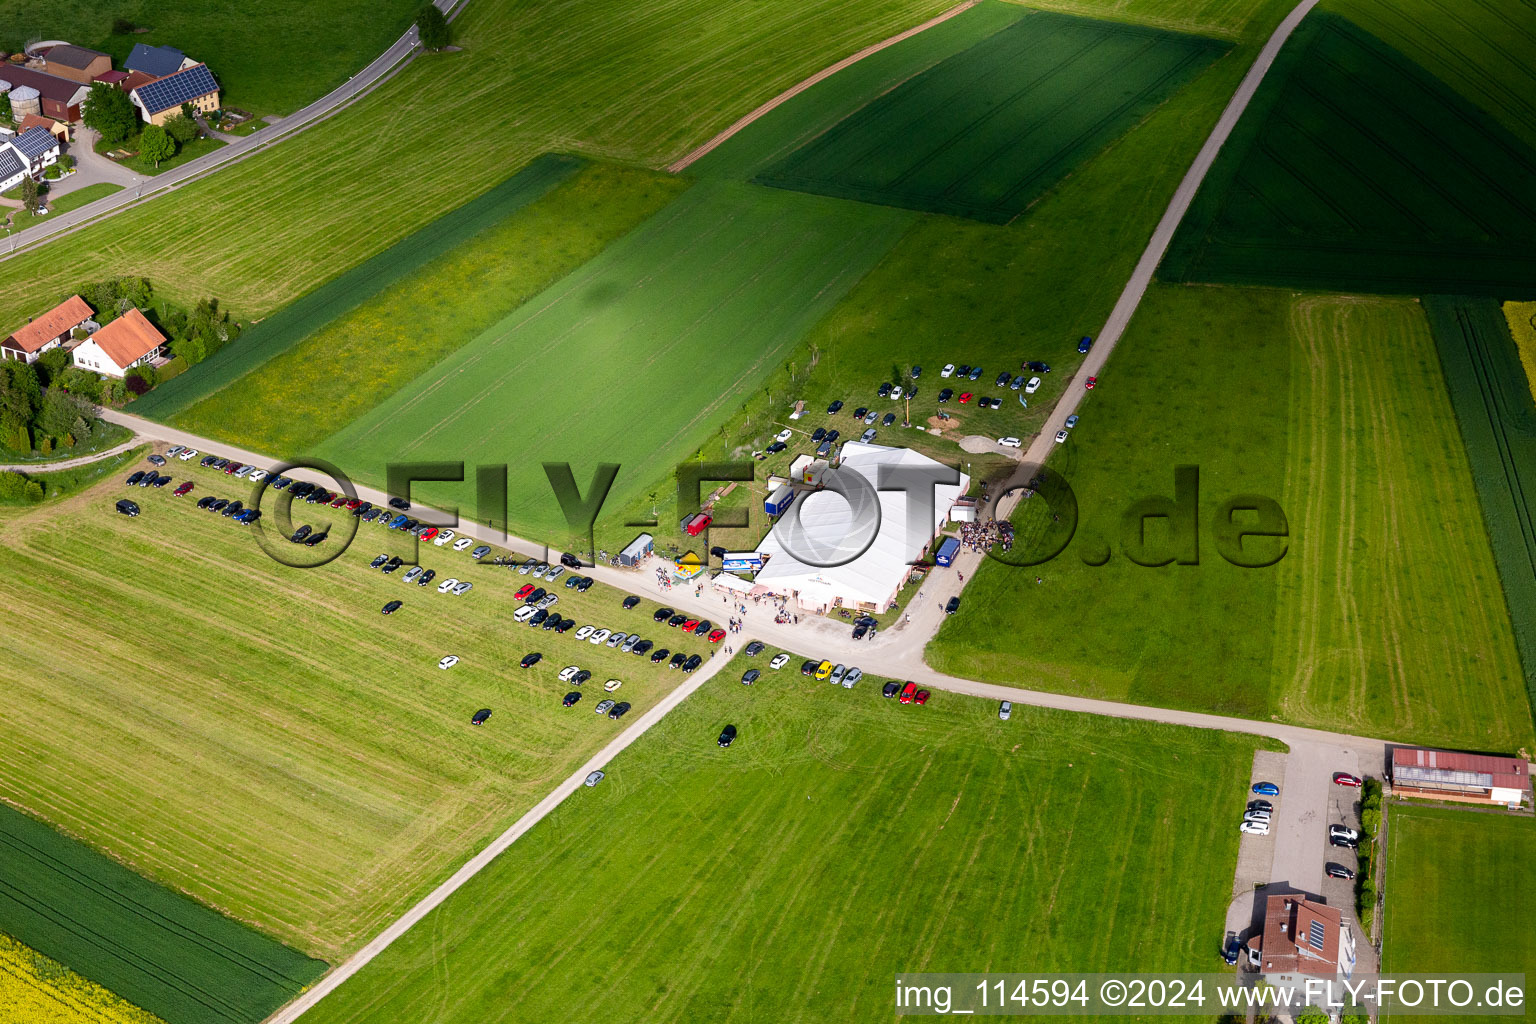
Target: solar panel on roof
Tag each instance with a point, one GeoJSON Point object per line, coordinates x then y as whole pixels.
{"type": "Point", "coordinates": [182, 87]}
{"type": "Point", "coordinates": [10, 164]}
{"type": "Point", "coordinates": [34, 142]}
{"type": "Point", "coordinates": [1444, 776]}
{"type": "Point", "coordinates": [1315, 935]}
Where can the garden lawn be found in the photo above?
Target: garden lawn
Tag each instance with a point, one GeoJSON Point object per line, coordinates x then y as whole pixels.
{"type": "Point", "coordinates": [138, 164]}
{"type": "Point", "coordinates": [842, 839]}
{"type": "Point", "coordinates": [638, 82]}
{"type": "Point", "coordinates": [250, 52]}
{"type": "Point", "coordinates": [349, 365]}
{"type": "Point", "coordinates": [152, 946]}
{"type": "Point", "coordinates": [1459, 891]}
{"type": "Point", "coordinates": [348, 780]}
{"type": "Point", "coordinates": [1356, 170]}
{"type": "Point", "coordinates": [638, 357]}
{"type": "Point", "coordinates": [984, 133]}
{"type": "Point", "coordinates": [1384, 617]}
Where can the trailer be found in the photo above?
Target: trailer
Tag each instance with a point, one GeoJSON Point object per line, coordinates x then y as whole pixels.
{"type": "Point", "coordinates": [741, 561]}
{"type": "Point", "coordinates": [779, 501]}
{"type": "Point", "coordinates": [945, 556]}
{"type": "Point", "coordinates": [636, 551]}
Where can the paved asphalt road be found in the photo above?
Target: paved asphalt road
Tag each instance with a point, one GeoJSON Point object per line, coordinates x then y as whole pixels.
{"type": "Point", "coordinates": [894, 653]}
{"type": "Point", "coordinates": [383, 68]}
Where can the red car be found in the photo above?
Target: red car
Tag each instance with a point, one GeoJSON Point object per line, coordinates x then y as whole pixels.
{"type": "Point", "coordinates": [922, 697]}
{"type": "Point", "coordinates": [716, 636]}
{"type": "Point", "coordinates": [965, 397]}
{"type": "Point", "coordinates": [690, 625]}
{"type": "Point", "coordinates": [183, 489]}
{"type": "Point", "coordinates": [525, 591]}
{"type": "Point", "coordinates": [428, 533]}
{"type": "Point", "coordinates": [352, 504]}
{"type": "Point", "coordinates": [340, 500]}
{"type": "Point", "coordinates": [908, 692]}
{"type": "Point", "coordinates": [1346, 779]}
{"type": "Point", "coordinates": [231, 468]}
{"type": "Point", "coordinates": [1091, 383]}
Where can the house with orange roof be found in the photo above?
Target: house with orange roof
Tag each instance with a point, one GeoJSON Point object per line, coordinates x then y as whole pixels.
{"type": "Point", "coordinates": [48, 331]}
{"type": "Point", "coordinates": [129, 341]}
{"type": "Point", "coordinates": [1303, 939]}
{"type": "Point", "coordinates": [57, 129]}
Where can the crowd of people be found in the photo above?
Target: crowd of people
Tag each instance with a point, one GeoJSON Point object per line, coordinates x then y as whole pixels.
{"type": "Point", "coordinates": [983, 536]}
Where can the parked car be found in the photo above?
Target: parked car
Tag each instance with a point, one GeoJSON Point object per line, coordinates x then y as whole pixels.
{"type": "Point", "coordinates": [619, 710]}
{"type": "Point", "coordinates": [598, 637]}
{"type": "Point", "coordinates": [716, 635]}
{"type": "Point", "coordinates": [1254, 828]}
{"type": "Point", "coordinates": [570, 698]}
{"type": "Point", "coordinates": [693, 662]}
{"type": "Point", "coordinates": [1260, 805]}
{"type": "Point", "coordinates": [301, 533]}
{"type": "Point", "coordinates": [1340, 871]}
{"type": "Point", "coordinates": [753, 649]}
{"type": "Point", "coordinates": [921, 698]}
{"type": "Point", "coordinates": [852, 676]}
{"type": "Point", "coordinates": [1016, 383]}
{"type": "Point", "coordinates": [585, 631]}
{"type": "Point", "coordinates": [908, 692]}
{"type": "Point", "coordinates": [951, 606]}
{"type": "Point", "coordinates": [677, 660]}
{"type": "Point", "coordinates": [779, 661]}
{"type": "Point", "coordinates": [183, 489]}
{"type": "Point", "coordinates": [1233, 947]}
{"type": "Point", "coordinates": [426, 577]}
{"type": "Point", "coordinates": [447, 585]}
{"type": "Point", "coordinates": [750, 676]}
{"type": "Point", "coordinates": [833, 409]}
{"type": "Point", "coordinates": [1344, 841]}
{"type": "Point", "coordinates": [443, 537]}
{"type": "Point", "coordinates": [727, 736]}
{"type": "Point", "coordinates": [462, 587]}
{"type": "Point", "coordinates": [392, 607]}
{"type": "Point", "coordinates": [1085, 344]}
{"type": "Point", "coordinates": [948, 371]}
{"type": "Point", "coordinates": [1072, 421]}
{"type": "Point", "coordinates": [776, 447]}
{"type": "Point", "coordinates": [1344, 832]}
{"type": "Point", "coordinates": [1008, 442]}
{"type": "Point", "coordinates": [448, 662]}
{"type": "Point", "coordinates": [1346, 779]}
{"type": "Point", "coordinates": [965, 397]}
{"type": "Point", "coordinates": [890, 690]}
{"type": "Point", "coordinates": [1061, 436]}
{"type": "Point", "coordinates": [1091, 383]}
{"type": "Point", "coordinates": [530, 660]}
{"type": "Point", "coordinates": [135, 478]}
{"type": "Point", "coordinates": [480, 552]}
{"type": "Point", "coordinates": [462, 543]}
{"type": "Point", "coordinates": [127, 508]}
{"type": "Point", "coordinates": [868, 435]}
{"type": "Point", "coordinates": [483, 714]}
{"type": "Point", "coordinates": [1266, 789]}
{"type": "Point", "coordinates": [661, 654]}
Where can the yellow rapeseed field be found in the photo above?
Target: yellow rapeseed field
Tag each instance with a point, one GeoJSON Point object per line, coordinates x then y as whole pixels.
{"type": "Point", "coordinates": [1522, 324]}
{"type": "Point", "coordinates": [37, 990]}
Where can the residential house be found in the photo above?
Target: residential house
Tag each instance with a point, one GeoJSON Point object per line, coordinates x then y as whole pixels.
{"type": "Point", "coordinates": [1463, 778]}
{"type": "Point", "coordinates": [75, 63]}
{"type": "Point", "coordinates": [26, 155]}
{"type": "Point", "coordinates": [129, 341]}
{"type": "Point", "coordinates": [160, 100]}
{"type": "Point", "coordinates": [1304, 940]}
{"type": "Point", "coordinates": [60, 97]}
{"type": "Point", "coordinates": [47, 331]}
{"type": "Point", "coordinates": [157, 61]}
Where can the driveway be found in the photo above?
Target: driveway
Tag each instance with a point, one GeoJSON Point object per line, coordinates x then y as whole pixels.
{"type": "Point", "coordinates": [91, 168]}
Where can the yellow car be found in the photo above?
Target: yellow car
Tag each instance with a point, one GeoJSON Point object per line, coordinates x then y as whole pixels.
{"type": "Point", "coordinates": [824, 670]}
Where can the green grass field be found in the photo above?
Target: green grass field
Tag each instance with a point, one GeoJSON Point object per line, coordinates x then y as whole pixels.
{"type": "Point", "coordinates": [984, 133]}
{"type": "Point", "coordinates": [1459, 889]}
{"type": "Point", "coordinates": [1484, 49]}
{"type": "Point", "coordinates": [1226, 19]}
{"type": "Point", "coordinates": [345, 367]}
{"type": "Point", "coordinates": [298, 760]}
{"type": "Point", "coordinates": [629, 81]}
{"type": "Point", "coordinates": [1497, 416]}
{"type": "Point", "coordinates": [662, 332]}
{"type": "Point", "coordinates": [1384, 617]}
{"type": "Point", "coordinates": [841, 839]}
{"type": "Point", "coordinates": [1427, 194]}
{"type": "Point", "coordinates": [278, 334]}
{"type": "Point", "coordinates": [156, 948]}
{"type": "Point", "coordinates": [252, 54]}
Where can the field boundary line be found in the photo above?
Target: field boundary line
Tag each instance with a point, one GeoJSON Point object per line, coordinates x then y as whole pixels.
{"type": "Point", "coordinates": [472, 867]}
{"type": "Point", "coordinates": [678, 166]}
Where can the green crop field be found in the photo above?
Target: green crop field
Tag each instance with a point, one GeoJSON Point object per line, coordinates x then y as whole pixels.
{"type": "Point", "coordinates": [259, 736]}
{"type": "Point", "coordinates": [1384, 616]}
{"type": "Point", "coordinates": [841, 839]}
{"type": "Point", "coordinates": [636, 82]}
{"type": "Point", "coordinates": [662, 331]}
{"type": "Point", "coordinates": [1459, 892]}
{"type": "Point", "coordinates": [403, 261]}
{"type": "Point", "coordinates": [1521, 317]}
{"type": "Point", "coordinates": [155, 948]}
{"type": "Point", "coordinates": [258, 58]}
{"type": "Point", "coordinates": [343, 368]}
{"type": "Point", "coordinates": [1484, 49]}
{"type": "Point", "coordinates": [1498, 424]}
{"type": "Point", "coordinates": [1357, 170]}
{"type": "Point", "coordinates": [984, 133]}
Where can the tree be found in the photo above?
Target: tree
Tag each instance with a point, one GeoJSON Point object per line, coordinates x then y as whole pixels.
{"type": "Point", "coordinates": [156, 144]}
{"type": "Point", "coordinates": [29, 195]}
{"type": "Point", "coordinates": [181, 128]}
{"type": "Point", "coordinates": [109, 110]}
{"type": "Point", "coordinates": [113, 392]}
{"type": "Point", "coordinates": [1312, 1015]}
{"type": "Point", "coordinates": [81, 382]}
{"type": "Point", "coordinates": [50, 364]}
{"type": "Point", "coordinates": [432, 27]}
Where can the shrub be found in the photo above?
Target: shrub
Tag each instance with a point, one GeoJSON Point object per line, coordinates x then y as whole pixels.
{"type": "Point", "coordinates": [45, 446]}
{"type": "Point", "coordinates": [137, 385]}
{"type": "Point", "coordinates": [175, 367]}
{"type": "Point", "coordinates": [12, 485]}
